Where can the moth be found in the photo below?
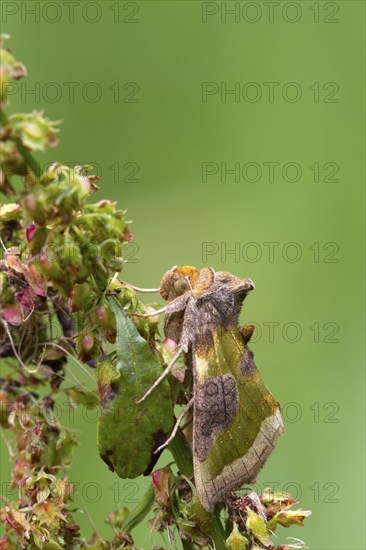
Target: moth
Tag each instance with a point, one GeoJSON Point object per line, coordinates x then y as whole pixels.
{"type": "Point", "coordinates": [236, 420]}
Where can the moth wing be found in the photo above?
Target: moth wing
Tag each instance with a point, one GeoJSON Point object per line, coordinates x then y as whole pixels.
{"type": "Point", "coordinates": [237, 421]}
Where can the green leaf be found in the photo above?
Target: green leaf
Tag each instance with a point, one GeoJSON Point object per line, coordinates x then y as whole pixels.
{"type": "Point", "coordinates": [127, 432]}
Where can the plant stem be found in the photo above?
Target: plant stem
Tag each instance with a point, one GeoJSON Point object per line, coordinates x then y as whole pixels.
{"type": "Point", "coordinates": [183, 459]}
{"type": "Point", "coordinates": [217, 532]}
{"type": "Point", "coordinates": [138, 514]}
{"type": "Point", "coordinates": [32, 164]}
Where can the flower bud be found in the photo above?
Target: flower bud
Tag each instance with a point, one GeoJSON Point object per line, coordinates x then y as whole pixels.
{"type": "Point", "coordinates": [10, 69]}
{"type": "Point", "coordinates": [162, 480]}
{"type": "Point", "coordinates": [34, 130]}
{"type": "Point", "coordinates": [88, 342]}
{"type": "Point", "coordinates": [9, 212]}
{"type": "Point", "coordinates": [236, 541]}
{"type": "Point", "coordinates": [287, 518]}
{"type": "Point", "coordinates": [81, 297]}
{"type": "Point", "coordinates": [30, 231]}
{"type": "Point", "coordinates": [198, 514]}
{"type": "Point", "coordinates": [257, 526]}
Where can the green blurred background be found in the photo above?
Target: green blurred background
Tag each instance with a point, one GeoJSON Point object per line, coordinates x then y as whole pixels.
{"type": "Point", "coordinates": [144, 115]}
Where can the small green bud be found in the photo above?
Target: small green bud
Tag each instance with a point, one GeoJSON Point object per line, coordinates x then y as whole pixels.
{"type": "Point", "coordinates": [118, 517]}
{"type": "Point", "coordinates": [37, 205]}
{"type": "Point", "coordinates": [268, 496]}
{"type": "Point", "coordinates": [105, 318]}
{"type": "Point", "coordinates": [34, 130]}
{"type": "Point", "coordinates": [287, 518]}
{"type": "Point", "coordinates": [88, 345]}
{"type": "Point", "coordinates": [50, 267]}
{"type": "Point", "coordinates": [81, 297]}
{"type": "Point", "coordinates": [236, 541]}
{"type": "Point", "coordinates": [163, 481]}
{"type": "Point", "coordinates": [257, 526]}
{"type": "Point", "coordinates": [10, 69]}
{"type": "Point", "coordinates": [10, 211]}
{"type": "Point", "coordinates": [51, 545]}
{"type": "Point", "coordinates": [88, 342]}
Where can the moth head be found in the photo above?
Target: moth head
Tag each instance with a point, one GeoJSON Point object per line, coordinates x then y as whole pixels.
{"type": "Point", "coordinates": [177, 281]}
{"type": "Point", "coordinates": [246, 285]}
{"type": "Point", "coordinates": [234, 284]}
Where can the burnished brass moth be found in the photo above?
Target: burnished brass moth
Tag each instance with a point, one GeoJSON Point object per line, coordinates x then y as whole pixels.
{"type": "Point", "coordinates": [236, 420]}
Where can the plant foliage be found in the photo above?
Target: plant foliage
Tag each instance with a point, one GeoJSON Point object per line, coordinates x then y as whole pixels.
{"type": "Point", "coordinates": [61, 298]}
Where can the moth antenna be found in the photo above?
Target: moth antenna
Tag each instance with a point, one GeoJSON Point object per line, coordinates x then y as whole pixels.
{"type": "Point", "coordinates": [138, 289]}
{"type": "Point", "coordinates": [176, 427]}
{"type": "Point", "coordinates": [161, 377]}
{"type": "Point", "coordinates": [156, 312]}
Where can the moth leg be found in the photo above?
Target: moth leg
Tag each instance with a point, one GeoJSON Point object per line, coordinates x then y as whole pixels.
{"type": "Point", "coordinates": [156, 312]}
{"type": "Point", "coordinates": [176, 427]}
{"type": "Point", "coordinates": [247, 332]}
{"type": "Point", "coordinates": [161, 377]}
